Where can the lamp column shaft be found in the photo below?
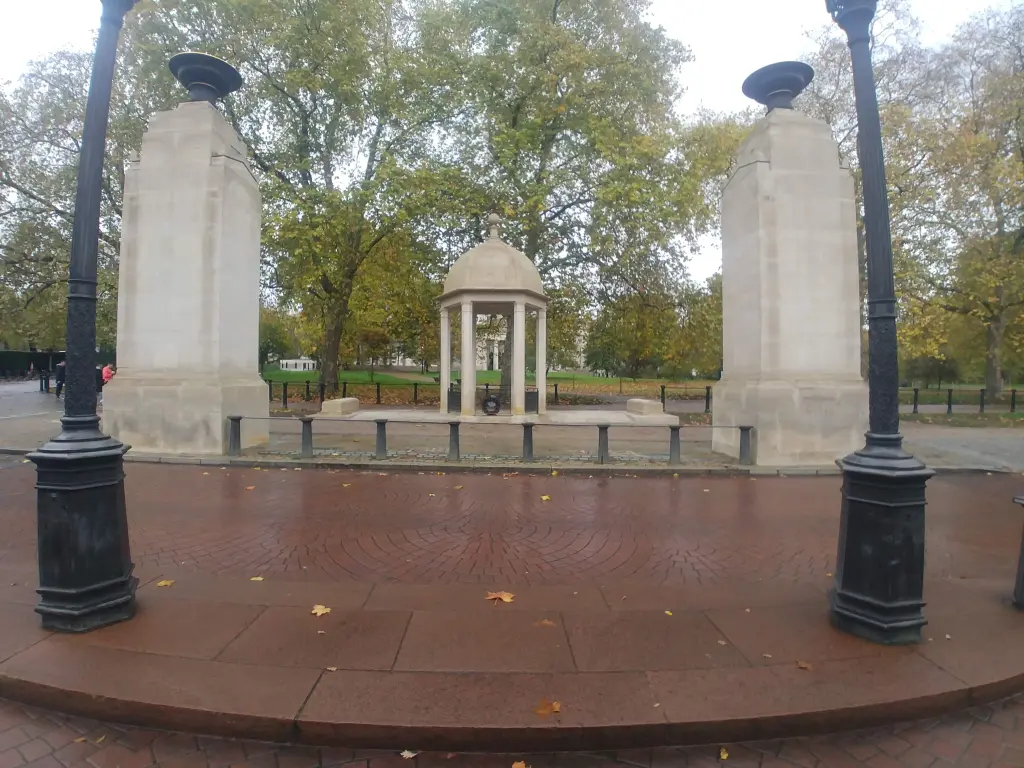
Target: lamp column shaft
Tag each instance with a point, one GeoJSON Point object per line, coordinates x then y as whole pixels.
{"type": "Point", "coordinates": [85, 568]}
{"type": "Point", "coordinates": [879, 575]}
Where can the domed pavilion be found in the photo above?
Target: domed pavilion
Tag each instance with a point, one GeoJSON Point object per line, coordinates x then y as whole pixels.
{"type": "Point", "coordinates": [493, 279]}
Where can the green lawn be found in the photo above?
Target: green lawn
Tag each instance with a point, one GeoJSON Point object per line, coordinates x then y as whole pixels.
{"type": "Point", "coordinates": [313, 377]}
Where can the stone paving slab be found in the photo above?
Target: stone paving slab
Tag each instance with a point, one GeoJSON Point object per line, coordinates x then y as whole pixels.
{"type": "Point", "coordinates": [656, 610]}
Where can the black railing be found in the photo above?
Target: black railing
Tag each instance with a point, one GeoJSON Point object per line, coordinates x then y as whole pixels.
{"type": "Point", "coordinates": [746, 448]}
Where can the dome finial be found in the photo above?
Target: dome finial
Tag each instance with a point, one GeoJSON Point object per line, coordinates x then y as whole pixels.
{"type": "Point", "coordinates": [493, 225]}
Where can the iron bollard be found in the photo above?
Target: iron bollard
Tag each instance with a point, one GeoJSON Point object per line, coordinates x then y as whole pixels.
{"type": "Point", "coordinates": [382, 439]}
{"type": "Point", "coordinates": [415, 393]}
{"type": "Point", "coordinates": [673, 446]}
{"type": "Point", "coordinates": [307, 436]}
{"type": "Point", "coordinates": [1018, 587]}
{"type": "Point", "coordinates": [1013, 401]}
{"type": "Point", "coordinates": [527, 441]}
{"type": "Point", "coordinates": [556, 393]}
{"type": "Point", "coordinates": [270, 386]}
{"type": "Point", "coordinates": [981, 401]}
{"type": "Point", "coordinates": [949, 402]}
{"type": "Point", "coordinates": [454, 453]}
{"type": "Point", "coordinates": [323, 391]}
{"type": "Point", "coordinates": [378, 393]}
{"type": "Point", "coordinates": [284, 395]}
{"type": "Point", "coordinates": [487, 389]}
{"type": "Point", "coordinates": [602, 443]}
{"type": "Point", "coordinates": [40, 381]}
{"type": "Point", "coordinates": [234, 435]}
{"type": "Point", "coordinates": [344, 389]}
{"type": "Point", "coordinates": [916, 392]}
{"type": "Point", "coordinates": [307, 389]}
{"type": "Point", "coordinates": [662, 395]}
{"type": "Point", "coordinates": [745, 458]}
{"type": "Point", "coordinates": [707, 399]}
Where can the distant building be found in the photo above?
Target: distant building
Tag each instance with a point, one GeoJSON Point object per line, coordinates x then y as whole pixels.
{"type": "Point", "coordinates": [302, 364]}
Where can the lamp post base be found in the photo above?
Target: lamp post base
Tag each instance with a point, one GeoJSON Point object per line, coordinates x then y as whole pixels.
{"type": "Point", "coordinates": [879, 578]}
{"type": "Point", "coordinates": [85, 567]}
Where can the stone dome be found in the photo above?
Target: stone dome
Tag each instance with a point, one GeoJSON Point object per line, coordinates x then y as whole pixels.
{"type": "Point", "coordinates": [494, 265]}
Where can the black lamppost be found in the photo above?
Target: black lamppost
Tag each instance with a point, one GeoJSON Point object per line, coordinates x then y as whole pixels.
{"type": "Point", "coordinates": [879, 575]}
{"type": "Point", "coordinates": [85, 565]}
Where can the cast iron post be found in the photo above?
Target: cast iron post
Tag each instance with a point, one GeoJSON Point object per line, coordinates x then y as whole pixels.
{"type": "Point", "coordinates": [879, 575]}
{"type": "Point", "coordinates": [85, 564]}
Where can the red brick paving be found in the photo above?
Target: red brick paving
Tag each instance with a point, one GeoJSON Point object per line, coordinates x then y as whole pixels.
{"type": "Point", "coordinates": [659, 607]}
{"type": "Point", "coordinates": [990, 736]}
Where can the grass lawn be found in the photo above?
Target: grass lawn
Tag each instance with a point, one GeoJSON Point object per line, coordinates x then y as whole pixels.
{"type": "Point", "coordinates": [352, 377]}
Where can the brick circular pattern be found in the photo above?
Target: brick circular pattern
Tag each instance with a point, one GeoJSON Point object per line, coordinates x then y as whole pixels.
{"type": "Point", "coordinates": [479, 528]}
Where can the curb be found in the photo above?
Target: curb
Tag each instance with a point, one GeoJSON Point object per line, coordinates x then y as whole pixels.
{"type": "Point", "coordinates": [598, 470]}
{"type": "Point", "coordinates": [496, 739]}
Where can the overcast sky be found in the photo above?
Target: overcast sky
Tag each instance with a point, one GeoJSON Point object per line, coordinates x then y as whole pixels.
{"type": "Point", "coordinates": [729, 39]}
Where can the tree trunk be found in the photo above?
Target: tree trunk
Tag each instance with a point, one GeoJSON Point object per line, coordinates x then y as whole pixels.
{"type": "Point", "coordinates": [993, 360]}
{"type": "Point", "coordinates": [329, 354]}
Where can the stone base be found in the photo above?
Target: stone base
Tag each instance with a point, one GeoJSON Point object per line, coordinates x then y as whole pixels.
{"type": "Point", "coordinates": [341, 406]}
{"type": "Point", "coordinates": [184, 413]}
{"type": "Point", "coordinates": [644, 407]}
{"type": "Point", "coordinates": [796, 423]}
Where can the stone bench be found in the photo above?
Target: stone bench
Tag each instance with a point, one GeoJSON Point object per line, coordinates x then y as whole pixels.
{"type": "Point", "coordinates": [644, 407]}
{"type": "Point", "coordinates": [341, 406]}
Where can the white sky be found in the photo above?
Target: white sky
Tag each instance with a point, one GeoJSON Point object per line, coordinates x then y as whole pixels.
{"type": "Point", "coordinates": [729, 39]}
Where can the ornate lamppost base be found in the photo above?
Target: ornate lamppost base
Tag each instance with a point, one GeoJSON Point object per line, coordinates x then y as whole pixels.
{"type": "Point", "coordinates": [879, 579]}
{"type": "Point", "coordinates": [85, 567]}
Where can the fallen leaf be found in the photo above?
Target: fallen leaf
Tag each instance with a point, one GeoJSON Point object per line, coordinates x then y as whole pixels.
{"type": "Point", "coordinates": [707, 490]}
{"type": "Point", "coordinates": [80, 739]}
{"type": "Point", "coordinates": [554, 473]}
{"type": "Point", "coordinates": [458, 487]}
{"type": "Point", "coordinates": [430, 494]}
{"type": "Point", "coordinates": [657, 705]}
{"type": "Point", "coordinates": [346, 485]}
{"type": "Point", "coordinates": [332, 669]}
{"type": "Point", "coordinates": [766, 655]}
{"type": "Point", "coordinates": [722, 642]}
{"type": "Point", "coordinates": [545, 623]}
{"type": "Point", "coordinates": [546, 708]}
{"type": "Point", "coordinates": [723, 753]}
{"type": "Point", "coordinates": [407, 754]}
{"type": "Point", "coordinates": [256, 578]}
{"type": "Point", "coordinates": [320, 632]}
{"type": "Point", "coordinates": [949, 637]}
{"type": "Point", "coordinates": [24, 461]}
{"type": "Point", "coordinates": [804, 665]}
{"type": "Point", "coordinates": [101, 739]}
{"type": "Point", "coordinates": [668, 613]}
{"type": "Point", "coordinates": [165, 583]}
{"type": "Point", "coordinates": [250, 487]}
{"type": "Point", "coordinates": [746, 610]}
{"type": "Point", "coordinates": [828, 574]}
{"type": "Point", "coordinates": [520, 764]}
{"type": "Point", "coordinates": [205, 473]}
{"type": "Point", "coordinates": [545, 498]}
{"type": "Point", "coordinates": [504, 597]}
{"type": "Point", "coordinates": [675, 474]}
{"type": "Point", "coordinates": [320, 610]}
{"type": "Point", "coordinates": [298, 469]}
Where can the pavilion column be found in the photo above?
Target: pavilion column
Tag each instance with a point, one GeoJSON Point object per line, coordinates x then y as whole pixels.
{"type": "Point", "coordinates": [542, 360]}
{"type": "Point", "coordinates": [468, 369]}
{"type": "Point", "coordinates": [446, 358]}
{"type": "Point", "coordinates": [519, 360]}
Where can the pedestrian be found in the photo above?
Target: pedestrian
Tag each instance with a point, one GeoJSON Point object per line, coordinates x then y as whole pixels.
{"type": "Point", "coordinates": [108, 373]}
{"type": "Point", "coordinates": [99, 385]}
{"type": "Point", "coordinates": [62, 372]}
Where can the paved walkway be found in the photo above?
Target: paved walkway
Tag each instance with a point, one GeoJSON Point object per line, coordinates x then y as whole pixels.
{"type": "Point", "coordinates": [653, 610]}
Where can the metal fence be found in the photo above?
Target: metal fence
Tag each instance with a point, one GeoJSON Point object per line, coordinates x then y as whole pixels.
{"type": "Point", "coordinates": [746, 446]}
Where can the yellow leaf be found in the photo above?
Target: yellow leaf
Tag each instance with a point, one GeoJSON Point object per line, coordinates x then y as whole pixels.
{"type": "Point", "coordinates": [458, 487]}
{"type": "Point", "coordinates": [545, 623]}
{"type": "Point", "coordinates": [722, 642]}
{"type": "Point", "coordinates": [828, 574]}
{"type": "Point", "coordinates": [165, 583]}
{"type": "Point", "coordinates": [256, 578]}
{"type": "Point", "coordinates": [668, 613]}
{"type": "Point", "coordinates": [80, 739]}
{"type": "Point", "coordinates": [803, 665]}
{"type": "Point", "coordinates": [250, 487]}
{"type": "Point", "coordinates": [332, 669]}
{"type": "Point", "coordinates": [766, 655]}
{"type": "Point", "coordinates": [723, 753]}
{"type": "Point", "coordinates": [546, 708]}
{"type": "Point", "coordinates": [545, 498]}
{"type": "Point", "coordinates": [502, 597]}
{"type": "Point", "coordinates": [554, 473]}
{"type": "Point", "coordinates": [205, 473]}
{"type": "Point", "coordinates": [408, 755]}
{"type": "Point", "coordinates": [346, 485]}
{"type": "Point", "coordinates": [430, 494]}
{"type": "Point", "coordinates": [320, 610]}
{"type": "Point", "coordinates": [101, 739]}
{"type": "Point", "coordinates": [520, 764]}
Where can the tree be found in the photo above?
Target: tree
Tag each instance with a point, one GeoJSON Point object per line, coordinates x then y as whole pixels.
{"type": "Point", "coordinates": [697, 340]}
{"type": "Point", "coordinates": [567, 325]}
{"type": "Point", "coordinates": [277, 337]}
{"type": "Point", "coordinates": [629, 336]}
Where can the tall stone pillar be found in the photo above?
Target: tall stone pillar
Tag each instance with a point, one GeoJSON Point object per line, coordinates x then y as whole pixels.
{"type": "Point", "coordinates": [446, 358]}
{"type": "Point", "coordinates": [790, 298]}
{"type": "Point", "coordinates": [542, 360]}
{"type": "Point", "coordinates": [519, 360]}
{"type": "Point", "coordinates": [468, 362]}
{"type": "Point", "coordinates": [189, 286]}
